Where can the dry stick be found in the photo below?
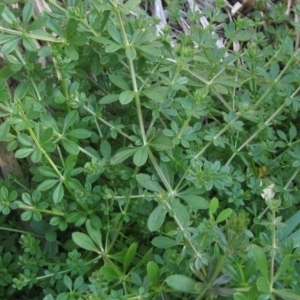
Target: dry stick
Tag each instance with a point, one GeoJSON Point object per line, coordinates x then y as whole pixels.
{"type": "Point", "coordinates": [158, 12]}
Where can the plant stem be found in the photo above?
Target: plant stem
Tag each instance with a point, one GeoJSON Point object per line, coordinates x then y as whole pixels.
{"type": "Point", "coordinates": [134, 82]}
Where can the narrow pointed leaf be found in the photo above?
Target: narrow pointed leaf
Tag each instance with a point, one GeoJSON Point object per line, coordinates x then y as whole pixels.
{"type": "Point", "coordinates": [261, 260]}
{"type": "Point", "coordinates": [129, 257]}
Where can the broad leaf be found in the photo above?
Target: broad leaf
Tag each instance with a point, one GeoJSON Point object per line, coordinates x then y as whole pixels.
{"type": "Point", "coordinates": [181, 283]}
{"type": "Point", "coordinates": [129, 257]}
{"type": "Point", "coordinates": [84, 241]}
{"type": "Point", "coordinates": [164, 242]}
{"type": "Point", "coordinates": [140, 156]}
{"type": "Point", "coordinates": [156, 218]}
{"type": "Point", "coordinates": [122, 155]}
{"type": "Point", "coordinates": [153, 273]}
{"type": "Point", "coordinates": [146, 182]}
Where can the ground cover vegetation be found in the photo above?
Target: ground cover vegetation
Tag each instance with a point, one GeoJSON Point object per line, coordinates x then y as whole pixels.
{"type": "Point", "coordinates": [153, 167]}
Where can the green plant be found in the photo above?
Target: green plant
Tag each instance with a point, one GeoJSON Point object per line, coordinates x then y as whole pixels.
{"type": "Point", "coordinates": [144, 163]}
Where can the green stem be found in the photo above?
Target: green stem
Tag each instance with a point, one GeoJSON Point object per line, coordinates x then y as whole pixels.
{"type": "Point", "coordinates": [273, 228]}
{"type": "Point", "coordinates": [20, 231]}
{"type": "Point", "coordinates": [133, 80]}
{"type": "Point", "coordinates": [31, 35]}
{"type": "Point", "coordinates": [45, 211]}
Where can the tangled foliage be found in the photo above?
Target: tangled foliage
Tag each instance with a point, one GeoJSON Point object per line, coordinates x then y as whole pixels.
{"type": "Point", "coordinates": [150, 169]}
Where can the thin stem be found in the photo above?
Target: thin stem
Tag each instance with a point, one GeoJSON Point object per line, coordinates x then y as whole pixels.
{"type": "Point", "coordinates": [134, 81]}
{"type": "Point", "coordinates": [273, 228]}
{"type": "Point", "coordinates": [45, 211]}
{"type": "Point", "coordinates": [31, 35]}
{"type": "Point", "coordinates": [292, 178]}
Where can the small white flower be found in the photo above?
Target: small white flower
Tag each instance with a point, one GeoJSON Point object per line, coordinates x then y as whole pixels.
{"type": "Point", "coordinates": [268, 192]}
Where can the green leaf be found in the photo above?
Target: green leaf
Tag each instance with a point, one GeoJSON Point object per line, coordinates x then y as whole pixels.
{"type": "Point", "coordinates": [70, 146]}
{"type": "Point", "coordinates": [47, 184]}
{"type": "Point", "coordinates": [45, 51]}
{"type": "Point", "coordinates": [130, 52]}
{"type": "Point", "coordinates": [21, 90]}
{"type": "Point", "coordinates": [105, 149]}
{"type": "Point", "coordinates": [10, 46]}
{"type": "Point", "coordinates": [213, 206]}
{"type": "Point", "coordinates": [24, 152]}
{"type": "Point", "coordinates": [95, 234]}
{"type": "Point", "coordinates": [285, 264]}
{"type": "Point", "coordinates": [122, 155]}
{"type": "Point", "coordinates": [144, 259]}
{"type": "Point", "coordinates": [26, 215]}
{"type": "Point", "coordinates": [181, 283]}
{"type": "Point", "coordinates": [84, 241]}
{"type": "Point", "coordinates": [38, 23]}
{"type": "Point", "coordinates": [109, 99]}
{"type": "Point", "coordinates": [79, 282]}
{"type": "Point", "coordinates": [239, 296]}
{"type": "Point", "coordinates": [58, 193]}
{"type": "Point", "coordinates": [48, 171]}
{"type": "Point", "coordinates": [263, 285]}
{"type": "Point", "coordinates": [109, 273]}
{"type": "Point", "coordinates": [6, 37]}
{"type": "Point", "coordinates": [4, 130]}
{"type": "Point", "coordinates": [140, 156]}
{"type": "Point", "coordinates": [2, 7]}
{"type": "Point", "coordinates": [126, 97]}
{"type": "Point", "coordinates": [114, 33]}
{"type": "Point", "coordinates": [9, 17]}
{"type": "Point", "coordinates": [162, 144]}
{"type": "Point", "coordinates": [29, 44]}
{"type": "Point", "coordinates": [157, 94]}
{"type": "Point", "coordinates": [224, 215]}
{"type": "Point", "coordinates": [25, 140]}
{"type": "Point", "coordinates": [290, 225]}
{"type": "Point", "coordinates": [181, 214]}
{"type": "Point", "coordinates": [51, 235]}
{"type": "Point", "coordinates": [79, 133]}
{"type": "Point", "coordinates": [286, 294]}
{"type": "Point", "coordinates": [153, 273]}
{"type": "Point", "coordinates": [164, 242]}
{"type": "Point", "coordinates": [70, 119]}
{"type": "Point", "coordinates": [119, 82]}
{"type": "Point", "coordinates": [195, 201]}
{"type": "Point", "coordinates": [146, 182]}
{"type": "Point", "coordinates": [129, 257]}
{"type": "Point", "coordinates": [71, 52]}
{"type": "Point", "coordinates": [150, 50]}
{"type": "Point", "coordinates": [26, 199]}
{"type": "Point", "coordinates": [68, 282]}
{"type": "Point", "coordinates": [6, 72]}
{"type": "Point", "coordinates": [156, 218]}
{"type": "Point", "coordinates": [112, 47]}
{"type": "Point", "coordinates": [261, 260]}
{"type": "Point", "coordinates": [27, 12]}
